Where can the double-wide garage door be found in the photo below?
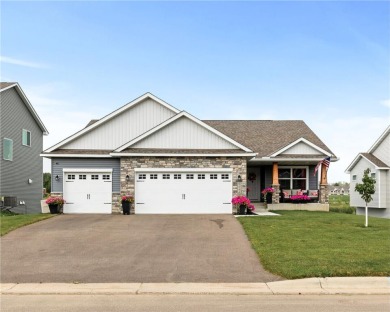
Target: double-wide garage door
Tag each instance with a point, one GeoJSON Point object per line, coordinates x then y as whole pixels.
{"type": "Point", "coordinates": [183, 192]}
{"type": "Point", "coordinates": [87, 191]}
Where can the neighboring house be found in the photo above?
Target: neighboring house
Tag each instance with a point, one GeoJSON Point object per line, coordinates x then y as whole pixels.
{"type": "Point", "coordinates": [21, 132]}
{"type": "Point", "coordinates": [377, 159]}
{"type": "Point", "coordinates": [173, 162]}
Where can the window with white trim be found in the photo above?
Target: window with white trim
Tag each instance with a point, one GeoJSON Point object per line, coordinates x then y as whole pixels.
{"type": "Point", "coordinates": [82, 177]}
{"type": "Point", "coordinates": [106, 177]}
{"type": "Point", "coordinates": [295, 178]}
{"type": "Point", "coordinates": [189, 176]}
{"type": "Point", "coordinates": [142, 176]}
{"type": "Point", "coordinates": [213, 176]}
{"type": "Point", "coordinates": [201, 176]}
{"type": "Point", "coordinates": [224, 176]}
{"type": "Point", "coordinates": [26, 137]}
{"type": "Point", "coordinates": [166, 176]}
{"type": "Point", "coordinates": [71, 177]}
{"type": "Point", "coordinates": [153, 176]}
{"type": "Point", "coordinates": [94, 177]}
{"type": "Point", "coordinates": [373, 175]}
{"type": "Point", "coordinates": [177, 176]}
{"type": "Point", "coordinates": [354, 177]}
{"type": "Point", "coordinates": [8, 149]}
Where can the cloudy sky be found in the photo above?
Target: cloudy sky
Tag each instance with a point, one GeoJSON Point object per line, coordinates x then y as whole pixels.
{"type": "Point", "coordinates": [326, 62]}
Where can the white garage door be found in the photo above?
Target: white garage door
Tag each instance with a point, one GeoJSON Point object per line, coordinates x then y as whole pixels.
{"type": "Point", "coordinates": [183, 192]}
{"type": "Point", "coordinates": [87, 191]}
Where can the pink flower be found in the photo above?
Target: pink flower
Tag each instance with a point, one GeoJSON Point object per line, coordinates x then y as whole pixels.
{"type": "Point", "coordinates": [268, 190]}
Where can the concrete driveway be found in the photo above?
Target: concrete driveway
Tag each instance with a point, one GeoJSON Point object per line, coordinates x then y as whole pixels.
{"type": "Point", "coordinates": [136, 248]}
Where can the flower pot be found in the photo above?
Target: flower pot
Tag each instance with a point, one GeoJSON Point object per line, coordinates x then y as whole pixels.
{"type": "Point", "coordinates": [53, 208]}
{"type": "Point", "coordinates": [126, 207]}
{"type": "Point", "coordinates": [242, 210]}
{"type": "Point", "coordinates": [268, 198]}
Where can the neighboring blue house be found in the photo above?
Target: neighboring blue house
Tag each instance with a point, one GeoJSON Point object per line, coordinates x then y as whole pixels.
{"type": "Point", "coordinates": [21, 133]}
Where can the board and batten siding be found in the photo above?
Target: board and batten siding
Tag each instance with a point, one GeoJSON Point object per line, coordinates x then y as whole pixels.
{"type": "Point", "coordinates": [301, 149]}
{"type": "Point", "coordinates": [184, 133]}
{"type": "Point", "coordinates": [123, 127]}
{"type": "Point", "coordinates": [26, 163]}
{"type": "Point", "coordinates": [58, 164]}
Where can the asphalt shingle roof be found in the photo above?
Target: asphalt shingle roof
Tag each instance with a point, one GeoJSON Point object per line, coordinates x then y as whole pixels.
{"type": "Point", "coordinates": [266, 137]}
{"type": "Point", "coordinates": [376, 161]}
{"type": "Point", "coordinates": [4, 85]}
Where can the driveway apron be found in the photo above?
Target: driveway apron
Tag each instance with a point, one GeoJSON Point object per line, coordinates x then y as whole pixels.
{"type": "Point", "coordinates": [135, 248]}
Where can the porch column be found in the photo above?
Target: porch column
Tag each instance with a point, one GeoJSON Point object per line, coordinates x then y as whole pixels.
{"type": "Point", "coordinates": [324, 196]}
{"type": "Point", "coordinates": [275, 183]}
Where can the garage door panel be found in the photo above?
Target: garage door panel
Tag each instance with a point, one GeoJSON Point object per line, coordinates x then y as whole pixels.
{"type": "Point", "coordinates": [191, 194]}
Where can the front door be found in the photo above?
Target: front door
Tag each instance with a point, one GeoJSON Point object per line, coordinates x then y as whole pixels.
{"type": "Point", "coordinates": [253, 184]}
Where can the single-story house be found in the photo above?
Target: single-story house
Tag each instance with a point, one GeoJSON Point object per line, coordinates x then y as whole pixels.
{"type": "Point", "coordinates": [172, 162]}
{"type": "Point", "coordinates": [377, 159]}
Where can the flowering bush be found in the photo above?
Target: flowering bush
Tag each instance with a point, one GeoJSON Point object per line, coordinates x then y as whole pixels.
{"type": "Point", "coordinates": [268, 190]}
{"type": "Point", "coordinates": [302, 198]}
{"type": "Point", "coordinates": [53, 200]}
{"type": "Point", "coordinates": [127, 198]}
{"type": "Point", "coordinates": [251, 207]}
{"type": "Point", "coordinates": [241, 200]}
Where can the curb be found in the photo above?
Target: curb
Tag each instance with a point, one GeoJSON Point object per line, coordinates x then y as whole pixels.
{"type": "Point", "coordinates": [309, 286]}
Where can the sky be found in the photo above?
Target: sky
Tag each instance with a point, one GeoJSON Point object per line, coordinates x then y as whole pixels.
{"type": "Point", "coordinates": [324, 62]}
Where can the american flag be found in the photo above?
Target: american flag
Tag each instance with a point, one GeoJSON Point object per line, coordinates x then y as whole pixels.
{"type": "Point", "coordinates": [325, 161]}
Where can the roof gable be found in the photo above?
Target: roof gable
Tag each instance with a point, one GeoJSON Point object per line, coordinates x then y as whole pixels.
{"type": "Point", "coordinates": [370, 158]}
{"type": "Point", "coordinates": [301, 147]}
{"type": "Point", "coordinates": [120, 126]}
{"type": "Point", "coordinates": [183, 131]}
{"type": "Point", "coordinates": [8, 85]}
{"type": "Point", "coordinates": [380, 140]}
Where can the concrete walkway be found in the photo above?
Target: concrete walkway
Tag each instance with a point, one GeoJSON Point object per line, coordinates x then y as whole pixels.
{"type": "Point", "coordinates": [309, 286]}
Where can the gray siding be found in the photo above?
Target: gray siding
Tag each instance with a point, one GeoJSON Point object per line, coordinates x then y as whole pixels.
{"type": "Point", "coordinates": [58, 164]}
{"type": "Point", "coordinates": [26, 163]}
{"type": "Point", "coordinates": [374, 212]}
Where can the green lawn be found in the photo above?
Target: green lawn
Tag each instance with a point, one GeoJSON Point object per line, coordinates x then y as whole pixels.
{"type": "Point", "coordinates": [10, 221]}
{"type": "Point", "coordinates": [301, 244]}
{"type": "Point", "coordinates": [340, 203]}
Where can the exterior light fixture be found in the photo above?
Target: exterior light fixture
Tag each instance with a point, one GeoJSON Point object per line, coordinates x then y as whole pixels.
{"type": "Point", "coordinates": [239, 179]}
{"type": "Point", "coordinates": [30, 181]}
{"type": "Point", "coordinates": [57, 178]}
{"type": "Point", "coordinates": [127, 178]}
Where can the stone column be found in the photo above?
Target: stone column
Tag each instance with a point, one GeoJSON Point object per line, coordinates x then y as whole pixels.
{"type": "Point", "coordinates": [275, 183]}
{"type": "Point", "coordinates": [323, 196]}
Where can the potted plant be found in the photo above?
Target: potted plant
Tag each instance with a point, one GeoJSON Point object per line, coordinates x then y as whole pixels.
{"type": "Point", "coordinates": [250, 209]}
{"type": "Point", "coordinates": [242, 202]}
{"type": "Point", "coordinates": [126, 203]}
{"type": "Point", "coordinates": [267, 192]}
{"type": "Point", "coordinates": [300, 199]}
{"type": "Point", "coordinates": [54, 203]}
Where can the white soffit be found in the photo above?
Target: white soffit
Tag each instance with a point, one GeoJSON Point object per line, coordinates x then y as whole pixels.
{"type": "Point", "coordinates": [297, 145]}
{"type": "Point", "coordinates": [170, 121]}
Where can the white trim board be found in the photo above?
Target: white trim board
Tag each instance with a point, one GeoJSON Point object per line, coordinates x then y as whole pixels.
{"type": "Point", "coordinates": [86, 170]}
{"type": "Point", "coordinates": [304, 141]}
{"type": "Point", "coordinates": [110, 116]}
{"type": "Point", "coordinates": [173, 119]}
{"type": "Point", "coordinates": [75, 155]}
{"type": "Point", "coordinates": [230, 170]}
{"type": "Point", "coordinates": [379, 141]}
{"type": "Point", "coordinates": [356, 160]}
{"type": "Point", "coordinates": [250, 155]}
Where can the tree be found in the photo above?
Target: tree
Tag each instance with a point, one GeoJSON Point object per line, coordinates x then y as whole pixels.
{"type": "Point", "coordinates": [47, 182]}
{"type": "Point", "coordinates": [366, 189]}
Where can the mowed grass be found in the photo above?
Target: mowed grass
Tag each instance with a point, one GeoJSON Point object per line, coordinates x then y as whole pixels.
{"type": "Point", "coordinates": [340, 203]}
{"type": "Point", "coordinates": [300, 244]}
{"type": "Point", "coordinates": [10, 221]}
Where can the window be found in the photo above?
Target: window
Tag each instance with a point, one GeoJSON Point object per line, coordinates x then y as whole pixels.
{"type": "Point", "coordinates": [26, 137]}
{"type": "Point", "coordinates": [293, 178]}
{"type": "Point", "coordinates": [94, 177]}
{"type": "Point", "coordinates": [189, 176]}
{"type": "Point", "coordinates": [106, 177]}
{"type": "Point", "coordinates": [8, 149]}
{"type": "Point", "coordinates": [153, 176]}
{"type": "Point", "coordinates": [177, 176]}
{"type": "Point", "coordinates": [71, 177]}
{"type": "Point", "coordinates": [201, 176]}
{"type": "Point", "coordinates": [142, 176]}
{"type": "Point", "coordinates": [213, 176]}
{"type": "Point", "coordinates": [354, 177]}
{"type": "Point", "coordinates": [224, 176]}
{"type": "Point", "coordinates": [82, 177]}
{"type": "Point", "coordinates": [373, 175]}
{"type": "Point", "coordinates": [166, 176]}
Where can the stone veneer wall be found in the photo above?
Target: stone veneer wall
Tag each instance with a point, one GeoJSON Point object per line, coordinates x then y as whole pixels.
{"type": "Point", "coordinates": [128, 164]}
